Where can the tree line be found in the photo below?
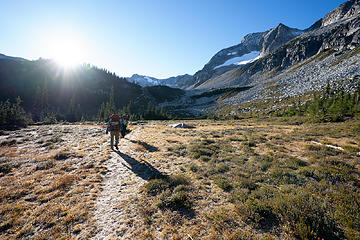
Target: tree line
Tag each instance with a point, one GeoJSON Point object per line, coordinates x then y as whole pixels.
{"type": "Point", "coordinates": [41, 91]}
{"type": "Point", "coordinates": [333, 104]}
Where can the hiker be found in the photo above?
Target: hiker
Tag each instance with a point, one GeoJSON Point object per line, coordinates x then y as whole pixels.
{"type": "Point", "coordinates": [114, 125]}
{"type": "Point", "coordinates": [125, 120]}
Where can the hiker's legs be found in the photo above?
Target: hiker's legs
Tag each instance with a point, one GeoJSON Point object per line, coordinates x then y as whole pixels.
{"type": "Point", "coordinates": [116, 133]}
{"type": "Point", "coordinates": [112, 134]}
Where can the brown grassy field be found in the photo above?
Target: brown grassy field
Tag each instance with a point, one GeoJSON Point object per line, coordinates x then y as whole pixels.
{"type": "Point", "coordinates": [243, 179]}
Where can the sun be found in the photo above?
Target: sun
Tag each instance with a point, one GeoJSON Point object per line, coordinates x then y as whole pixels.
{"type": "Point", "coordinates": [68, 51]}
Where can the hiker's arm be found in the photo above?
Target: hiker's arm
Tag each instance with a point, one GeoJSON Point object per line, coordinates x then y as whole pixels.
{"type": "Point", "coordinates": [107, 128]}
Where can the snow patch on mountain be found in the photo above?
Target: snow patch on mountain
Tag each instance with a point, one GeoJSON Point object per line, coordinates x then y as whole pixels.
{"type": "Point", "coordinates": [232, 53]}
{"type": "Point", "coordinates": [144, 80]}
{"type": "Point", "coordinates": [244, 59]}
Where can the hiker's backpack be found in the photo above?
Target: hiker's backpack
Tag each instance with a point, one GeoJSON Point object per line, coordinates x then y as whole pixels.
{"type": "Point", "coordinates": [115, 123]}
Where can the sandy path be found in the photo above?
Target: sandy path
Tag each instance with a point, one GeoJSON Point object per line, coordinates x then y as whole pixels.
{"type": "Point", "coordinates": [116, 205]}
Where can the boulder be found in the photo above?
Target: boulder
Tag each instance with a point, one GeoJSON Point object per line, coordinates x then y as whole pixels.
{"type": "Point", "coordinates": [180, 125]}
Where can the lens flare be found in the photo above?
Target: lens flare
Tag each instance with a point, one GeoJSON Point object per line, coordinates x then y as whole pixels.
{"type": "Point", "coordinates": [67, 50]}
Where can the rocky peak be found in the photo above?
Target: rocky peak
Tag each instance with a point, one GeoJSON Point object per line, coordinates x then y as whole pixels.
{"type": "Point", "coordinates": [346, 10]}
{"type": "Point", "coordinates": [278, 36]}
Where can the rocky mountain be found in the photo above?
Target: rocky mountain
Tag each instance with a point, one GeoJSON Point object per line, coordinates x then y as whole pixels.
{"type": "Point", "coordinates": [281, 62]}
{"type": "Point", "coordinates": [144, 80]}
{"type": "Point", "coordinates": [345, 11]}
{"type": "Point", "coordinates": [283, 47]}
{"type": "Point", "coordinates": [271, 51]}
{"type": "Point", "coordinates": [251, 48]}
{"type": "Point", "coordinates": [254, 46]}
{"type": "Point", "coordinates": [180, 81]}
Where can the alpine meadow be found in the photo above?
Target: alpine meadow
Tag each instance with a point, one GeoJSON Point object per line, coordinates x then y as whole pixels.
{"type": "Point", "coordinates": [262, 142]}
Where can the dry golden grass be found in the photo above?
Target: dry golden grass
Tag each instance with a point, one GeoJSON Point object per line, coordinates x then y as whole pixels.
{"type": "Point", "coordinates": [45, 198]}
{"type": "Point", "coordinates": [214, 217]}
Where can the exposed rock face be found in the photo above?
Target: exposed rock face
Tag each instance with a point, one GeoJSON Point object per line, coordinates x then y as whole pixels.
{"type": "Point", "coordinates": [339, 37]}
{"type": "Point", "coordinates": [277, 37]}
{"type": "Point", "coordinates": [331, 33]}
{"type": "Point", "coordinates": [263, 42]}
{"type": "Point", "coordinates": [346, 10]}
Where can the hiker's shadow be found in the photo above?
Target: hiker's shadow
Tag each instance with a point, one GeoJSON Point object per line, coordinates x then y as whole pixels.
{"type": "Point", "coordinates": [148, 147]}
{"type": "Point", "coordinates": [146, 171]}
{"type": "Point", "coordinates": [142, 169]}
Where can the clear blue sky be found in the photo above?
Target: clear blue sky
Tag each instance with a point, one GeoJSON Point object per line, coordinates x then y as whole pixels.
{"type": "Point", "coordinates": [159, 38]}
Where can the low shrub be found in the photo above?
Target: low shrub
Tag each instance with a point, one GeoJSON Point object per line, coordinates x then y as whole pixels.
{"type": "Point", "coordinates": [305, 216]}
{"type": "Point", "coordinates": [156, 186]}
{"type": "Point", "coordinates": [174, 200]}
{"type": "Point", "coordinates": [5, 168]}
{"type": "Point", "coordinates": [178, 150]}
{"type": "Point", "coordinates": [224, 184]}
{"type": "Point", "coordinates": [172, 192]}
{"type": "Point", "coordinates": [193, 167]}
{"type": "Point", "coordinates": [62, 155]}
{"type": "Point", "coordinates": [180, 179]}
{"type": "Point", "coordinates": [8, 142]}
{"type": "Point", "coordinates": [45, 165]}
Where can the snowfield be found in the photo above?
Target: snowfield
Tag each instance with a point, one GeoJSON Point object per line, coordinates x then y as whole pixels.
{"type": "Point", "coordinates": [244, 59]}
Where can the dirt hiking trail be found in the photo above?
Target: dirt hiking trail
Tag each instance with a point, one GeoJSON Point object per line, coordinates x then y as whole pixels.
{"type": "Point", "coordinates": [116, 204]}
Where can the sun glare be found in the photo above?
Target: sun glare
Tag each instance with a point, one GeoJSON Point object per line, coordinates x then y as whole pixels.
{"type": "Point", "coordinates": [67, 51]}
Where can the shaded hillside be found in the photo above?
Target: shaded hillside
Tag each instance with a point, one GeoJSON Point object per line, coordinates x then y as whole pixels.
{"type": "Point", "coordinates": [46, 88]}
{"type": "Point", "coordinates": [163, 93]}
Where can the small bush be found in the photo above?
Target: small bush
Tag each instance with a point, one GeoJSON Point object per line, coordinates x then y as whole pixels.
{"type": "Point", "coordinates": [156, 186]}
{"type": "Point", "coordinates": [174, 200]}
{"type": "Point", "coordinates": [224, 184]}
{"type": "Point", "coordinates": [257, 211]}
{"type": "Point", "coordinates": [62, 155]}
{"type": "Point", "coordinates": [246, 183]}
{"type": "Point", "coordinates": [221, 168]}
{"type": "Point", "coordinates": [5, 168]}
{"type": "Point", "coordinates": [305, 216]}
{"type": "Point", "coordinates": [200, 148]}
{"type": "Point", "coordinates": [179, 150]}
{"type": "Point", "coordinates": [193, 167]}
{"type": "Point", "coordinates": [45, 165]}
{"type": "Point", "coordinates": [351, 149]}
{"type": "Point", "coordinates": [179, 179]}
{"type": "Point", "coordinates": [293, 162]}
{"type": "Point", "coordinates": [8, 142]}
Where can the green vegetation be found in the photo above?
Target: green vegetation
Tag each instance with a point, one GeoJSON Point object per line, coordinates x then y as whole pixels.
{"type": "Point", "coordinates": [170, 192]}
{"type": "Point", "coordinates": [12, 115]}
{"type": "Point", "coordinates": [333, 105]}
{"type": "Point", "coordinates": [51, 94]}
{"type": "Point", "coordinates": [164, 93]}
{"type": "Point", "coordinates": [225, 92]}
{"type": "Point", "coordinates": [347, 55]}
{"type": "Point", "coordinates": [301, 195]}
